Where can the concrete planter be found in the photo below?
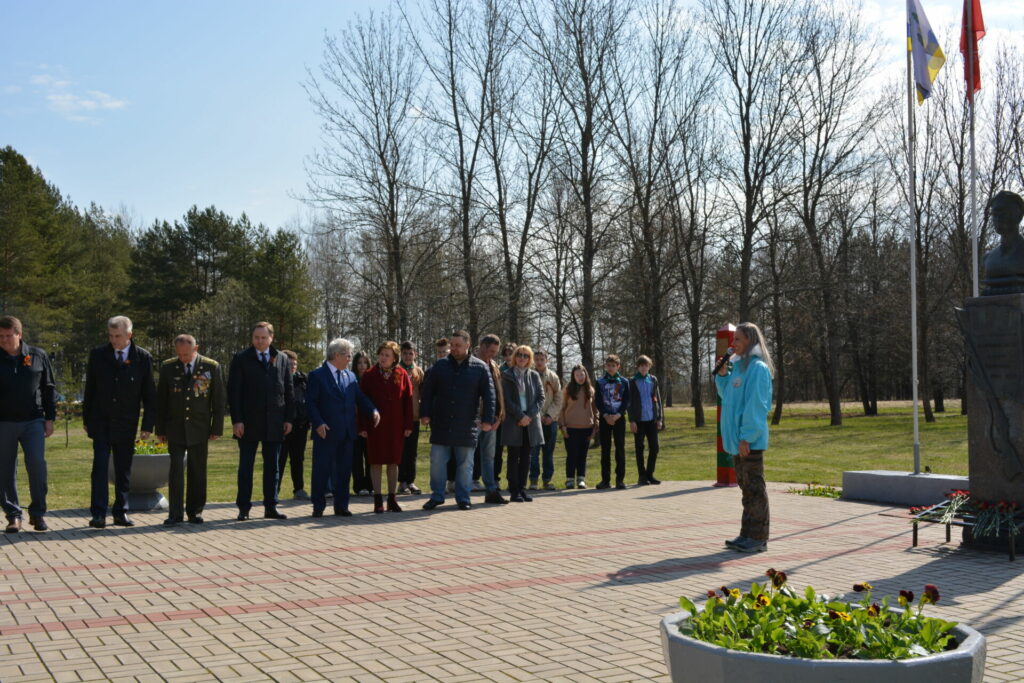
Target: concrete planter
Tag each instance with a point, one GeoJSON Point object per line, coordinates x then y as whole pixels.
{"type": "Point", "coordinates": [149, 473]}
{"type": "Point", "coordinates": [695, 661]}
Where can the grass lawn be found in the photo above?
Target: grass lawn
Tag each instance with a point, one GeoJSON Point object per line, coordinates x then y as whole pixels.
{"type": "Point", "coordinates": [803, 449]}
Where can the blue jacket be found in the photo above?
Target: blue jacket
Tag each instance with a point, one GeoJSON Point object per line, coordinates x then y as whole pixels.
{"type": "Point", "coordinates": [612, 390]}
{"type": "Point", "coordinates": [746, 401]}
{"type": "Point", "coordinates": [327, 404]}
{"type": "Point", "coordinates": [451, 396]}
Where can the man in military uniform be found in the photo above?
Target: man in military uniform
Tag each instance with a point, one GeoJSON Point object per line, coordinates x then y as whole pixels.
{"type": "Point", "coordinates": [190, 404]}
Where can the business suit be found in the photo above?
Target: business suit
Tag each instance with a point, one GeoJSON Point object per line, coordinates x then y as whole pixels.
{"type": "Point", "coordinates": [189, 410]}
{"type": "Point", "coordinates": [115, 393]}
{"type": "Point", "coordinates": [333, 404]}
{"type": "Point", "coordinates": [260, 397]}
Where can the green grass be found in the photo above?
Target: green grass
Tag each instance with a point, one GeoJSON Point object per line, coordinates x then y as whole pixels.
{"type": "Point", "coordinates": [803, 449]}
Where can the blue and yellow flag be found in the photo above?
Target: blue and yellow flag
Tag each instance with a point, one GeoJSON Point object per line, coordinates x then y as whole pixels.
{"type": "Point", "coordinates": [924, 47]}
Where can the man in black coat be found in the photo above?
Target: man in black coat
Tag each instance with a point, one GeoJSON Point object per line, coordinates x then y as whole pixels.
{"type": "Point", "coordinates": [294, 448]}
{"type": "Point", "coordinates": [452, 396]}
{"type": "Point", "coordinates": [262, 409]}
{"type": "Point", "coordinates": [118, 384]}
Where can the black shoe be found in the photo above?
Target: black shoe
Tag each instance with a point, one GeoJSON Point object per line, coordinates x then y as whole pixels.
{"type": "Point", "coordinates": [495, 498]}
{"type": "Point", "coordinates": [242, 516]}
{"type": "Point", "coordinates": [465, 506]}
{"type": "Point", "coordinates": [38, 523]}
{"type": "Point", "coordinates": [642, 482]}
{"type": "Point", "coordinates": [274, 514]}
{"type": "Point", "coordinates": [13, 526]}
{"type": "Point", "coordinates": [652, 480]}
{"type": "Point", "coordinates": [342, 513]}
{"type": "Point", "coordinates": [318, 513]}
{"type": "Point", "coordinates": [97, 522]}
{"type": "Point", "coordinates": [517, 497]}
{"type": "Point", "coordinates": [526, 497]}
{"type": "Point", "coordinates": [603, 485]}
{"type": "Point", "coordinates": [122, 520]}
{"type": "Point", "coordinates": [431, 504]}
{"type": "Point", "coordinates": [620, 485]}
{"type": "Point", "coordinates": [195, 519]}
{"type": "Point", "coordinates": [172, 521]}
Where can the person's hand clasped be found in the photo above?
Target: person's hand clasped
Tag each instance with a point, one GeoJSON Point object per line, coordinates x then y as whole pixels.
{"type": "Point", "coordinates": [524, 421]}
{"type": "Point", "coordinates": [485, 427]}
{"type": "Point", "coordinates": [287, 428]}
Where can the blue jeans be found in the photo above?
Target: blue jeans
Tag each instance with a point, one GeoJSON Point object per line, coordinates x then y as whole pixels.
{"type": "Point", "coordinates": [550, 434]}
{"type": "Point", "coordinates": [246, 466]}
{"type": "Point", "coordinates": [30, 435]}
{"type": "Point", "coordinates": [332, 468]}
{"type": "Point", "coordinates": [122, 452]}
{"type": "Point", "coordinates": [486, 442]}
{"type": "Point", "coordinates": [439, 457]}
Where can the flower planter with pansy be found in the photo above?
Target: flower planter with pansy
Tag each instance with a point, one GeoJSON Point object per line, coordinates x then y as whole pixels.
{"type": "Point", "coordinates": [773, 633]}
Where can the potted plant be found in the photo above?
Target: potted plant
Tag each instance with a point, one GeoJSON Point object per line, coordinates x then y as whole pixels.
{"type": "Point", "coordinates": [151, 468]}
{"type": "Point", "coordinates": [772, 633]}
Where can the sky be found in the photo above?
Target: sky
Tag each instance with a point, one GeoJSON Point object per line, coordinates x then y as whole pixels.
{"type": "Point", "coordinates": [156, 106]}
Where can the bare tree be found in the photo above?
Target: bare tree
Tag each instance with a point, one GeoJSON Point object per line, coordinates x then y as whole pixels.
{"type": "Point", "coordinates": [751, 42]}
{"type": "Point", "coordinates": [369, 172]}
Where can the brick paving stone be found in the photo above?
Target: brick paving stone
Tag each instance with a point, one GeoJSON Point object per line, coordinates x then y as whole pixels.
{"type": "Point", "coordinates": [569, 588]}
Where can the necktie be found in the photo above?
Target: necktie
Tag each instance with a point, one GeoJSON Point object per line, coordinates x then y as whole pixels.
{"type": "Point", "coordinates": [263, 358]}
{"type": "Point", "coordinates": [188, 369]}
{"type": "Point", "coordinates": [120, 357]}
{"type": "Point", "coordinates": [337, 377]}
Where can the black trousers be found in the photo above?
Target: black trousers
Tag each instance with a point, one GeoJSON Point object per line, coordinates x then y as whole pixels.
{"type": "Point", "coordinates": [186, 484]}
{"type": "Point", "coordinates": [407, 468]}
{"type": "Point", "coordinates": [519, 462]}
{"type": "Point", "coordinates": [295, 451]}
{"type": "Point", "coordinates": [608, 433]}
{"type": "Point", "coordinates": [360, 466]}
{"type": "Point", "coordinates": [648, 430]}
{"type": "Point", "coordinates": [577, 443]}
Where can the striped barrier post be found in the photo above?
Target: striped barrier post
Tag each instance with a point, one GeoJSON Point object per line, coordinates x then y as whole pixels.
{"type": "Point", "coordinates": [726, 471]}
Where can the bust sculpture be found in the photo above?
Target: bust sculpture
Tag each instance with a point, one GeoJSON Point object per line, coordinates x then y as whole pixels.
{"type": "Point", "coordinates": [1004, 265]}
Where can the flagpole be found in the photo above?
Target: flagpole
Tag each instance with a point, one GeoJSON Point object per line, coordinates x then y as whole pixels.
{"type": "Point", "coordinates": [912, 151]}
{"type": "Point", "coordinates": [974, 163]}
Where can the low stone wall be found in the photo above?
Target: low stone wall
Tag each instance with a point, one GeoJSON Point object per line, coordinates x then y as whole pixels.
{"type": "Point", "coordinates": [900, 488]}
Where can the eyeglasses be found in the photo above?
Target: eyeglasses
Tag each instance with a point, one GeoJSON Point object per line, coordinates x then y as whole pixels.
{"type": "Point", "coordinates": [522, 355]}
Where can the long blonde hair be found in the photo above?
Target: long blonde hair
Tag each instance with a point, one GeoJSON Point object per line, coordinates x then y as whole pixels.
{"type": "Point", "coordinates": [752, 332]}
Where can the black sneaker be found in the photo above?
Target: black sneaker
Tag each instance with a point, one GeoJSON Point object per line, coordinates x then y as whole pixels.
{"type": "Point", "coordinates": [495, 498]}
{"type": "Point", "coordinates": [734, 542]}
{"type": "Point", "coordinates": [603, 485]}
{"type": "Point", "coordinates": [750, 545]}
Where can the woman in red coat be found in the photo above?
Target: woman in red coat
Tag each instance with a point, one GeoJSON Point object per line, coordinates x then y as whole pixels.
{"type": "Point", "coordinates": [389, 388]}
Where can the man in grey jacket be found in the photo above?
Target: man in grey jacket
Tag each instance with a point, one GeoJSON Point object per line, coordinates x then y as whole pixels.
{"type": "Point", "coordinates": [450, 399]}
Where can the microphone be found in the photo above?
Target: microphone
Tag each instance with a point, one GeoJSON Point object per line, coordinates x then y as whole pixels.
{"type": "Point", "coordinates": [722, 361]}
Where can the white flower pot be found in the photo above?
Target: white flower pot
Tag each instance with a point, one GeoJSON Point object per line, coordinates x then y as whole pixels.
{"type": "Point", "coordinates": [695, 661]}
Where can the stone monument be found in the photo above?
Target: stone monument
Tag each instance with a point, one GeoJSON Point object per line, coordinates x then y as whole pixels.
{"type": "Point", "coordinates": [993, 329]}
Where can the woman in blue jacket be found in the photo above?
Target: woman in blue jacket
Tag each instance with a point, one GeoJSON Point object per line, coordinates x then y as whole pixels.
{"type": "Point", "coordinates": [745, 386]}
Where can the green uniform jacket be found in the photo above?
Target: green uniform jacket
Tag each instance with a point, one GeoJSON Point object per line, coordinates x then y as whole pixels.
{"type": "Point", "coordinates": [190, 409]}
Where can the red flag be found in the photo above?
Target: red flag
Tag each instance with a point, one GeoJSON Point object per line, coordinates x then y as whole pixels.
{"type": "Point", "coordinates": [973, 32]}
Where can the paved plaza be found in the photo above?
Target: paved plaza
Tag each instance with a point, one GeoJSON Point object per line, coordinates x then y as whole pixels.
{"type": "Point", "coordinates": [569, 587]}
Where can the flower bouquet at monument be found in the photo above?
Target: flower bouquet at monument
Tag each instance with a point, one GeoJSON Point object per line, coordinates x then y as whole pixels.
{"type": "Point", "coordinates": [775, 632]}
{"type": "Point", "coordinates": [988, 518]}
{"type": "Point", "coordinates": [143, 447]}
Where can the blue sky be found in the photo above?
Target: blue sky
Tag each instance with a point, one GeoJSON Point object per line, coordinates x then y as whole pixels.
{"type": "Point", "coordinates": [159, 105]}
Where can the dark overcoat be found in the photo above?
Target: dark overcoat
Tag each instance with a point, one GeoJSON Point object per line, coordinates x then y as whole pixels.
{"type": "Point", "coordinates": [261, 397]}
{"type": "Point", "coordinates": [115, 394]}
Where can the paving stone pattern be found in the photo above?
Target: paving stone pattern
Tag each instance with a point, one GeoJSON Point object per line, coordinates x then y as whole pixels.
{"type": "Point", "coordinates": [570, 587]}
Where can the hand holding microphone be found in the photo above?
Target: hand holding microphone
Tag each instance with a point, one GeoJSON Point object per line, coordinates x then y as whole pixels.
{"type": "Point", "coordinates": [722, 362]}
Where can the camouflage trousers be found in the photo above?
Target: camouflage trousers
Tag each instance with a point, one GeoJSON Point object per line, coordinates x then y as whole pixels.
{"type": "Point", "coordinates": [750, 476]}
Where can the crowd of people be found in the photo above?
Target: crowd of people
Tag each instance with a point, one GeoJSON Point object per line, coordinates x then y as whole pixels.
{"type": "Point", "coordinates": [363, 414]}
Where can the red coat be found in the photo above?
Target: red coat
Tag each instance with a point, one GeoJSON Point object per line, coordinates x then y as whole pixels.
{"type": "Point", "coordinates": [393, 399]}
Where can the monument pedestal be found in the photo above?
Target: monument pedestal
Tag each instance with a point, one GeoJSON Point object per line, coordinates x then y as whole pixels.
{"type": "Point", "coordinates": [993, 329]}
